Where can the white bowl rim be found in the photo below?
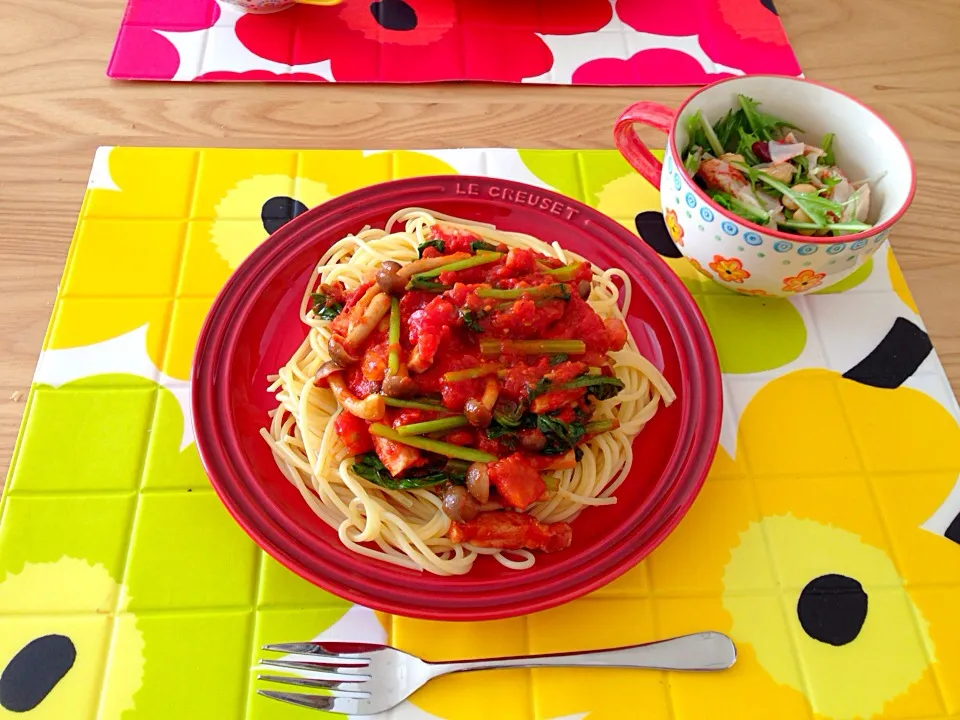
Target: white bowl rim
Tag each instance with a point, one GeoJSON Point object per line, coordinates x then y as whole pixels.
{"type": "Point", "coordinates": [872, 232]}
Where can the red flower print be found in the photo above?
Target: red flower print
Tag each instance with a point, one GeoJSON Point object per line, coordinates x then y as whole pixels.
{"type": "Point", "coordinates": [745, 34]}
{"type": "Point", "coordinates": [647, 67]}
{"type": "Point", "coordinates": [141, 51]}
{"type": "Point", "coordinates": [676, 17]}
{"type": "Point", "coordinates": [259, 76]}
{"type": "Point", "coordinates": [421, 40]}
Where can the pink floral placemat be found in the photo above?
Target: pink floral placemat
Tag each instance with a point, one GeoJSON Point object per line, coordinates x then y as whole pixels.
{"type": "Point", "coordinates": [561, 42]}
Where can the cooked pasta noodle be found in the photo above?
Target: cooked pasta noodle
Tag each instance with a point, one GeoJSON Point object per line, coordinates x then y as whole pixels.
{"type": "Point", "coordinates": [408, 527]}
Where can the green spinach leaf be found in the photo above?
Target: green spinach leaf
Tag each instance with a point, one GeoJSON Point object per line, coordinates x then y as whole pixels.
{"type": "Point", "coordinates": [438, 244]}
{"type": "Point", "coordinates": [561, 436]}
{"type": "Point", "coordinates": [600, 386]}
{"type": "Point", "coordinates": [369, 467]}
{"type": "Point", "coordinates": [482, 245]}
{"type": "Point", "coordinates": [324, 307]}
{"type": "Point", "coordinates": [471, 318]}
{"type": "Point", "coordinates": [541, 386]}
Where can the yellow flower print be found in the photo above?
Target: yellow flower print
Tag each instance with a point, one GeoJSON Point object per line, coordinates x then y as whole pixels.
{"type": "Point", "coordinates": [805, 517]}
{"type": "Point", "coordinates": [35, 611]}
{"type": "Point", "coordinates": [275, 201]}
{"type": "Point", "coordinates": [757, 292]}
{"type": "Point", "coordinates": [248, 194]}
{"type": "Point", "coordinates": [673, 226]}
{"type": "Point", "coordinates": [729, 269]}
{"type": "Point", "coordinates": [700, 268]}
{"type": "Point", "coordinates": [624, 198]}
{"type": "Point", "coordinates": [155, 244]}
{"type": "Point", "coordinates": [804, 280]}
{"type": "Point", "coordinates": [758, 556]}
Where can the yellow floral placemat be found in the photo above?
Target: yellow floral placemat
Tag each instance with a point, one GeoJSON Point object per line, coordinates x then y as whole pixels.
{"type": "Point", "coordinates": [826, 540]}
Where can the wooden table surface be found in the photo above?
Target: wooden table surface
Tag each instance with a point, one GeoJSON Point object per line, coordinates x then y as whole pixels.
{"type": "Point", "coordinates": [901, 57]}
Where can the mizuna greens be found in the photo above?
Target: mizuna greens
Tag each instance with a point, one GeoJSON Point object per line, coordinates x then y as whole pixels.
{"type": "Point", "coordinates": [754, 165]}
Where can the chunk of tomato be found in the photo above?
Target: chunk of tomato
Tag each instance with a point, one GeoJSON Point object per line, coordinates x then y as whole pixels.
{"type": "Point", "coordinates": [354, 433]}
{"type": "Point", "coordinates": [517, 481]}
{"type": "Point", "coordinates": [454, 239]}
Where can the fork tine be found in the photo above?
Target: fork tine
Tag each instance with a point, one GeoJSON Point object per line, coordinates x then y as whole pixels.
{"type": "Point", "coordinates": [332, 651]}
{"type": "Point", "coordinates": [330, 703]}
{"type": "Point", "coordinates": [344, 673]}
{"type": "Point", "coordinates": [343, 687]}
{"type": "Point", "coordinates": [318, 655]}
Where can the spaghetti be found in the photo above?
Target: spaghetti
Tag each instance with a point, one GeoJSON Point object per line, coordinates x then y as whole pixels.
{"type": "Point", "coordinates": [420, 420]}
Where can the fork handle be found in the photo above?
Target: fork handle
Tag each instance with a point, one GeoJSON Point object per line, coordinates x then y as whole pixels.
{"type": "Point", "coordinates": [700, 651]}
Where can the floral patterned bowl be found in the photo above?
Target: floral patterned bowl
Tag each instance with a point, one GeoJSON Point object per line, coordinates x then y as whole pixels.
{"type": "Point", "coordinates": [749, 258]}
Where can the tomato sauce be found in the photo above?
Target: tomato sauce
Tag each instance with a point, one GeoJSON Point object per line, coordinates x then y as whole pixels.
{"type": "Point", "coordinates": [513, 402]}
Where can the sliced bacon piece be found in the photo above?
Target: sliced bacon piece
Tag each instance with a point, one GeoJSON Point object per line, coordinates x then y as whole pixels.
{"type": "Point", "coordinates": [395, 457]}
{"type": "Point", "coordinates": [512, 531]}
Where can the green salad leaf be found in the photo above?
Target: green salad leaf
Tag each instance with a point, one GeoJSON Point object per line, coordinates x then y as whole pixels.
{"type": "Point", "coordinates": [745, 141]}
{"type": "Point", "coordinates": [763, 125]}
{"type": "Point", "coordinates": [691, 162]}
{"type": "Point", "coordinates": [727, 129]}
{"type": "Point", "coordinates": [827, 146]}
{"type": "Point", "coordinates": [696, 138]}
{"type": "Point", "coordinates": [731, 203]}
{"type": "Point", "coordinates": [815, 206]}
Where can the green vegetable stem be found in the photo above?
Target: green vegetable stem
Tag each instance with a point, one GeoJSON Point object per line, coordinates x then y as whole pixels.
{"type": "Point", "coordinates": [532, 347]}
{"type": "Point", "coordinates": [429, 426]}
{"type": "Point", "coordinates": [435, 446]}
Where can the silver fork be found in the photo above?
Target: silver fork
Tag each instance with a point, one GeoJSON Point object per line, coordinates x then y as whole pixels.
{"type": "Point", "coordinates": [366, 679]}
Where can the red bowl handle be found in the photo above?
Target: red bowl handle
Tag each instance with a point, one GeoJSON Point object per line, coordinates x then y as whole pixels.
{"type": "Point", "coordinates": [631, 147]}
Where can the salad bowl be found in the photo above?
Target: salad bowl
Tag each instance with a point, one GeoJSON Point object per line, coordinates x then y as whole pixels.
{"type": "Point", "coordinates": [743, 255]}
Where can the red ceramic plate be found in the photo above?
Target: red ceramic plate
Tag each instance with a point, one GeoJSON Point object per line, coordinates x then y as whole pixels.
{"type": "Point", "coordinates": [254, 327]}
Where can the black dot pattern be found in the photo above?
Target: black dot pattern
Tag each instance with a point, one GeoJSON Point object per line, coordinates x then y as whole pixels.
{"type": "Point", "coordinates": [953, 532]}
{"type": "Point", "coordinates": [653, 231]}
{"type": "Point", "coordinates": [895, 358]}
{"type": "Point", "coordinates": [768, 4]}
{"type": "Point", "coordinates": [34, 671]}
{"type": "Point", "coordinates": [278, 211]}
{"type": "Point", "coordinates": [832, 609]}
{"type": "Point", "coordinates": [394, 15]}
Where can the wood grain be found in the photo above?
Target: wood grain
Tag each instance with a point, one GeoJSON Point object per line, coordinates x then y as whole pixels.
{"type": "Point", "coordinates": [56, 106]}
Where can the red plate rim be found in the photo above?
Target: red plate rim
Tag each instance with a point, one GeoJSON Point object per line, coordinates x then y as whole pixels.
{"type": "Point", "coordinates": [375, 584]}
